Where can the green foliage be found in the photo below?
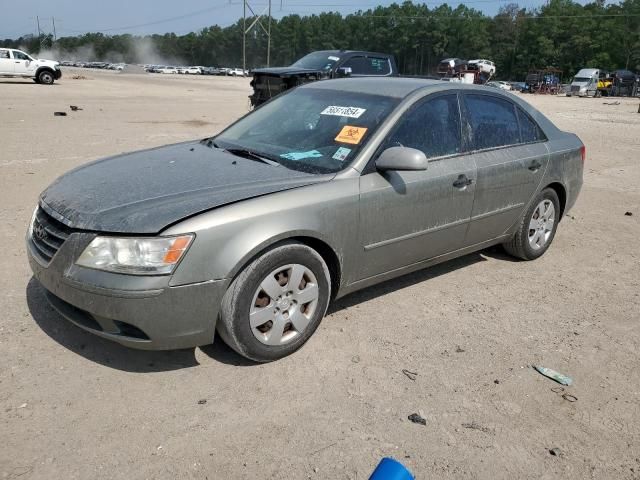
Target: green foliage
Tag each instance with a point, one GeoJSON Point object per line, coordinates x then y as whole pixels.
{"type": "Point", "coordinates": [563, 34]}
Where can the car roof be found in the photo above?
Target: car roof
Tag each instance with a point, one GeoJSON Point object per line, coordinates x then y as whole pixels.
{"type": "Point", "coordinates": [397, 87]}
{"type": "Point", "coordinates": [349, 52]}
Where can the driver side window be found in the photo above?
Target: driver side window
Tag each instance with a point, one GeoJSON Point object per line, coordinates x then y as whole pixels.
{"type": "Point", "coordinates": [19, 55]}
{"type": "Point", "coordinates": [432, 126]}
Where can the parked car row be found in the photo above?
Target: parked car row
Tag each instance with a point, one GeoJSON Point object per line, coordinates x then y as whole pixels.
{"type": "Point", "coordinates": [101, 65]}
{"type": "Point", "coordinates": [197, 70]}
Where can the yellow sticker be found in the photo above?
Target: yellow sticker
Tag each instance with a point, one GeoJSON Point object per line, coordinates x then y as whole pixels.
{"type": "Point", "coordinates": [350, 134]}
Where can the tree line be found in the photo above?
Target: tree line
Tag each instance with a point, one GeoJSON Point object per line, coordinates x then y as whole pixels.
{"type": "Point", "coordinates": [562, 34]}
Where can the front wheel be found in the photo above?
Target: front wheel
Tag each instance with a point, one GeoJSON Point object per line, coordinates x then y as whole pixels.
{"type": "Point", "coordinates": [45, 77]}
{"type": "Point", "coordinates": [276, 303]}
{"type": "Point", "coordinates": [537, 227]}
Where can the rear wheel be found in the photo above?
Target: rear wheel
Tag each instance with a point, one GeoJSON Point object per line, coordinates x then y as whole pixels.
{"type": "Point", "coordinates": [537, 227]}
{"type": "Point", "coordinates": [45, 77]}
{"type": "Point", "coordinates": [276, 303]}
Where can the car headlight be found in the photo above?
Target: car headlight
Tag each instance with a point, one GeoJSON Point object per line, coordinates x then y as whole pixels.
{"type": "Point", "coordinates": [135, 256]}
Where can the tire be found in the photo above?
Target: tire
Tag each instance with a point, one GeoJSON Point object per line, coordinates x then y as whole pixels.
{"type": "Point", "coordinates": [528, 243]}
{"type": "Point", "coordinates": [274, 334]}
{"type": "Point", "coordinates": [46, 77]}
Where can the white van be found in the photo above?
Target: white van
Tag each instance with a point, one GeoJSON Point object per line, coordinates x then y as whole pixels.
{"type": "Point", "coordinates": [16, 63]}
{"type": "Point", "coordinates": [585, 83]}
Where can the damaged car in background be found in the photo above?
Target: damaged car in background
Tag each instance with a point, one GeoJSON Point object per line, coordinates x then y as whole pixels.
{"type": "Point", "coordinates": [327, 189]}
{"type": "Point", "coordinates": [320, 65]}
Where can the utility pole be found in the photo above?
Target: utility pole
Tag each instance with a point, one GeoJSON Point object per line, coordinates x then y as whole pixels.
{"type": "Point", "coordinates": [39, 31]}
{"type": "Point", "coordinates": [53, 21]}
{"type": "Point", "coordinates": [257, 21]}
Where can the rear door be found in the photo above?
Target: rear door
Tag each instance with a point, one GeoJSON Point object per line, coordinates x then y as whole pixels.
{"type": "Point", "coordinates": [410, 216]}
{"type": "Point", "coordinates": [6, 62]}
{"type": "Point", "coordinates": [511, 155]}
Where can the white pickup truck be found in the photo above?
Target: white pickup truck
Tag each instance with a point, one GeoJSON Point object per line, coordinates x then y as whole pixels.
{"type": "Point", "coordinates": [16, 63]}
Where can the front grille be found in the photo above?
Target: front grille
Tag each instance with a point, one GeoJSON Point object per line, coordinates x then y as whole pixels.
{"type": "Point", "coordinates": [575, 88]}
{"type": "Point", "coordinates": [48, 234]}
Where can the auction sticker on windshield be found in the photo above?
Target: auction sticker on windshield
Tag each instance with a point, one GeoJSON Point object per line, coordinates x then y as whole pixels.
{"type": "Point", "coordinates": [341, 154]}
{"type": "Point", "coordinates": [351, 112]}
{"type": "Point", "coordinates": [350, 134]}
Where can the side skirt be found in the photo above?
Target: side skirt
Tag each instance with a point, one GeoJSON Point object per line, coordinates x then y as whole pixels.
{"type": "Point", "coordinates": [398, 272]}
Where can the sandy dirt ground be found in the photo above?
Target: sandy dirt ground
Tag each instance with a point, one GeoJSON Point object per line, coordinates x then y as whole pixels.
{"type": "Point", "coordinates": [74, 406]}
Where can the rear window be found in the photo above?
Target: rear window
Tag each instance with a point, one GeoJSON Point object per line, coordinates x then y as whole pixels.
{"type": "Point", "coordinates": [492, 120]}
{"type": "Point", "coordinates": [530, 132]}
{"type": "Point", "coordinates": [368, 65]}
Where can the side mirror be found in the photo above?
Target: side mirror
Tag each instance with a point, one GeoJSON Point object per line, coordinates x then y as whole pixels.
{"type": "Point", "coordinates": [402, 158]}
{"type": "Point", "coordinates": [344, 72]}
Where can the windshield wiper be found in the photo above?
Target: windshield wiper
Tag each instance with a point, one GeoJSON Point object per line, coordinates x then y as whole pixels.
{"type": "Point", "coordinates": [244, 153]}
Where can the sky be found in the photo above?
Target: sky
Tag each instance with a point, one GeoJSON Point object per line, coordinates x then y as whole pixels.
{"type": "Point", "coordinates": [75, 17]}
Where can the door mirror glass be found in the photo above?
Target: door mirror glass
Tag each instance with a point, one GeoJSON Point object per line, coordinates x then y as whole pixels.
{"type": "Point", "coordinates": [402, 158]}
{"type": "Point", "coordinates": [344, 72]}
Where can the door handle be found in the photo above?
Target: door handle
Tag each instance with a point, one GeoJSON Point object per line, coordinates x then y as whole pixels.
{"type": "Point", "coordinates": [462, 181]}
{"type": "Point", "coordinates": [535, 165]}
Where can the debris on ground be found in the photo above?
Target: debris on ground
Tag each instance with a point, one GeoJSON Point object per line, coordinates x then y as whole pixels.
{"type": "Point", "coordinates": [477, 426]}
{"type": "Point", "coordinates": [74, 108]}
{"type": "Point", "coordinates": [79, 77]}
{"type": "Point", "coordinates": [202, 402]}
{"type": "Point", "coordinates": [496, 381]}
{"type": "Point", "coordinates": [611, 103]}
{"type": "Point", "coordinates": [553, 375]}
{"type": "Point", "coordinates": [24, 405]}
{"type": "Point", "coordinates": [459, 350]}
{"type": "Point", "coordinates": [628, 214]}
{"type": "Point", "coordinates": [355, 359]}
{"type": "Point", "coordinates": [409, 374]}
{"type": "Point", "coordinates": [417, 418]}
{"type": "Point", "coordinates": [60, 114]}
{"type": "Point", "coordinates": [555, 452]}
{"type": "Point", "coordinates": [566, 396]}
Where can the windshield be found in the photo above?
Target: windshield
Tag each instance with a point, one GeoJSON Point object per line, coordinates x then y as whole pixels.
{"type": "Point", "coordinates": [317, 61]}
{"type": "Point", "coordinates": [311, 130]}
{"type": "Point", "coordinates": [581, 80]}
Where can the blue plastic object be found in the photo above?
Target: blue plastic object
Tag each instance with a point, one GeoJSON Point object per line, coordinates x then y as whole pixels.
{"type": "Point", "coordinates": [390, 469]}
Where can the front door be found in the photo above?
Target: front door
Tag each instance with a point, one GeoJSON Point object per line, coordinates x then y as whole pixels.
{"type": "Point", "coordinates": [407, 217]}
{"type": "Point", "coordinates": [511, 155]}
{"type": "Point", "coordinates": [6, 62]}
{"type": "Point", "coordinates": [21, 63]}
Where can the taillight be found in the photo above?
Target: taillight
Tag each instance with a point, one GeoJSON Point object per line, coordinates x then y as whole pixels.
{"type": "Point", "coordinates": [583, 153]}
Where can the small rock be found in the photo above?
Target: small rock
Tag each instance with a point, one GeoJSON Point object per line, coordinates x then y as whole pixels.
{"type": "Point", "coordinates": [496, 381]}
{"type": "Point", "coordinates": [416, 418]}
{"type": "Point", "coordinates": [24, 405]}
{"type": "Point", "coordinates": [628, 214]}
{"type": "Point", "coordinates": [459, 350]}
{"type": "Point", "coordinates": [355, 359]}
{"type": "Point", "coordinates": [315, 470]}
{"type": "Point", "coordinates": [202, 402]}
{"type": "Point", "coordinates": [555, 452]}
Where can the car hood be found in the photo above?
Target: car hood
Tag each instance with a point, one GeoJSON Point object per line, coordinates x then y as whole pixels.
{"type": "Point", "coordinates": [283, 71]}
{"type": "Point", "coordinates": [144, 192]}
